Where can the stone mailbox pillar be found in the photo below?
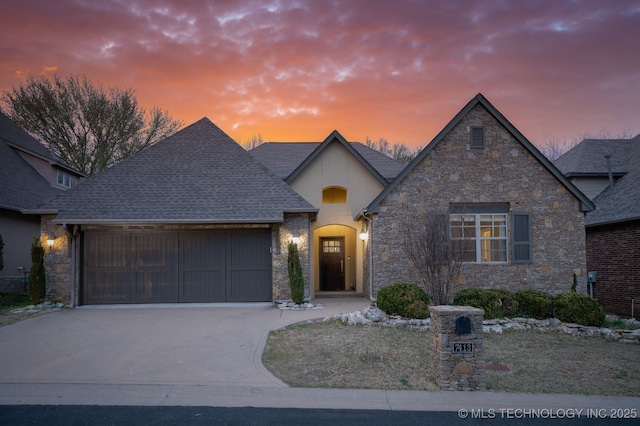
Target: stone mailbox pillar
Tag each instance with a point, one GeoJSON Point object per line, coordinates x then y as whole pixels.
{"type": "Point", "coordinates": [457, 347]}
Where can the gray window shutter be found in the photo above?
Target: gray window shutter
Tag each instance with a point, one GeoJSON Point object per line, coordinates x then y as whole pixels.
{"type": "Point", "coordinates": [521, 238]}
{"type": "Point", "coordinates": [477, 137]}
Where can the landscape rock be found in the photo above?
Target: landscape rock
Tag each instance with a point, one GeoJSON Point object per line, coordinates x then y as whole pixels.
{"type": "Point", "coordinates": [375, 316]}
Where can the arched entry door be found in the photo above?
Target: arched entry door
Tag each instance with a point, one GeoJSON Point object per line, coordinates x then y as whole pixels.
{"type": "Point", "coordinates": [332, 266]}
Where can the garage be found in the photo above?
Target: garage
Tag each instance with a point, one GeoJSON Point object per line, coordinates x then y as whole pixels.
{"type": "Point", "coordinates": [196, 266]}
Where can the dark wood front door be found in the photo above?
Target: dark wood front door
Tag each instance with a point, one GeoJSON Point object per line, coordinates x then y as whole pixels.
{"type": "Point", "coordinates": [332, 264]}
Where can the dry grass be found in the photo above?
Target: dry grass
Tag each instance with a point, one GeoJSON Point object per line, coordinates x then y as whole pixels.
{"type": "Point", "coordinates": [8, 317]}
{"type": "Point", "coordinates": [334, 355]}
{"type": "Point", "coordinates": [10, 308]}
{"type": "Point", "coordinates": [559, 363]}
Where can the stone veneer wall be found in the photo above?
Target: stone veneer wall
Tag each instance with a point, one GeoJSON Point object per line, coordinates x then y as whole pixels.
{"type": "Point", "coordinates": [294, 225]}
{"type": "Point", "coordinates": [613, 252]}
{"type": "Point", "coordinates": [502, 172]}
{"type": "Point", "coordinates": [58, 260]}
{"type": "Point", "coordinates": [457, 371]}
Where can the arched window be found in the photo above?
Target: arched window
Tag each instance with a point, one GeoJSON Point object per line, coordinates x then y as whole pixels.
{"type": "Point", "coordinates": [334, 195]}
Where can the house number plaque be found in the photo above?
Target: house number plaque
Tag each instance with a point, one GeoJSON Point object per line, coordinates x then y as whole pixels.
{"type": "Point", "coordinates": [463, 348]}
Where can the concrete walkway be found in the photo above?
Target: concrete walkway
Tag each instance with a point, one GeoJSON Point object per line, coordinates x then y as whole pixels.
{"type": "Point", "coordinates": [205, 355]}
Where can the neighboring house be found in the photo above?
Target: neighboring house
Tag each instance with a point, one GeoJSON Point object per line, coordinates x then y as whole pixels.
{"type": "Point", "coordinates": [31, 175]}
{"type": "Point", "coordinates": [195, 218]}
{"type": "Point", "coordinates": [522, 219]}
{"type": "Point", "coordinates": [338, 178]}
{"type": "Point", "coordinates": [608, 170]}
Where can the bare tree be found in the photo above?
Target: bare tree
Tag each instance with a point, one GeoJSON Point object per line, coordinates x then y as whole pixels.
{"type": "Point", "coordinates": [88, 127]}
{"type": "Point", "coordinates": [437, 257]}
{"type": "Point", "coordinates": [253, 142]}
{"type": "Point", "coordinates": [398, 151]}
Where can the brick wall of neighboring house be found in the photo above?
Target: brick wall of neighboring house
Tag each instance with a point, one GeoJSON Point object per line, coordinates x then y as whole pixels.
{"type": "Point", "coordinates": [613, 252]}
{"type": "Point", "coordinates": [503, 172]}
{"type": "Point", "coordinates": [59, 262]}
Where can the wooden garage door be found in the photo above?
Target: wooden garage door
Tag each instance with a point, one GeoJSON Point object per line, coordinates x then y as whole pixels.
{"type": "Point", "coordinates": [170, 267]}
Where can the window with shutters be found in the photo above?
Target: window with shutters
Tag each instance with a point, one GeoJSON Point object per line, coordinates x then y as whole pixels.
{"type": "Point", "coordinates": [477, 137]}
{"type": "Point", "coordinates": [484, 236]}
{"type": "Point", "coordinates": [483, 230]}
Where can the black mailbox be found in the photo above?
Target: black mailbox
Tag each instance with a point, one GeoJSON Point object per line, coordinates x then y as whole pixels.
{"type": "Point", "coordinates": [463, 325]}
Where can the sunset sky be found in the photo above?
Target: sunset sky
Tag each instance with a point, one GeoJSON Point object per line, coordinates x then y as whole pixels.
{"type": "Point", "coordinates": [296, 70]}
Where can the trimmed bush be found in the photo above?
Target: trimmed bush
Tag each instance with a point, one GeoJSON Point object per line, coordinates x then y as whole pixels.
{"type": "Point", "coordinates": [1, 253]}
{"type": "Point", "coordinates": [296, 279]}
{"type": "Point", "coordinates": [37, 285]}
{"type": "Point", "coordinates": [404, 299]}
{"type": "Point", "coordinates": [579, 309]}
{"type": "Point", "coordinates": [496, 303]}
{"type": "Point", "coordinates": [534, 304]}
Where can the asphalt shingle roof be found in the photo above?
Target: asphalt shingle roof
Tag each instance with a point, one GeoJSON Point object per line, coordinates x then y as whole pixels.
{"type": "Point", "coordinates": [588, 157]}
{"type": "Point", "coordinates": [197, 175]}
{"type": "Point", "coordinates": [282, 158]}
{"type": "Point", "coordinates": [21, 186]}
{"type": "Point", "coordinates": [622, 202]}
{"type": "Point", "coordinates": [479, 99]}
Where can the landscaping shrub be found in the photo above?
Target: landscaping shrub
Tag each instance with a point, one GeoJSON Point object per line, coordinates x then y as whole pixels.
{"type": "Point", "coordinates": [1, 253]}
{"type": "Point", "coordinates": [296, 280]}
{"type": "Point", "coordinates": [534, 304]}
{"type": "Point", "coordinates": [37, 286]}
{"type": "Point", "coordinates": [508, 302]}
{"type": "Point", "coordinates": [496, 303]}
{"type": "Point", "coordinates": [579, 309]}
{"type": "Point", "coordinates": [404, 299]}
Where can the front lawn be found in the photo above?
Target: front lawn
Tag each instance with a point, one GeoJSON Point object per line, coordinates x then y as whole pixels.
{"type": "Point", "coordinates": [334, 355]}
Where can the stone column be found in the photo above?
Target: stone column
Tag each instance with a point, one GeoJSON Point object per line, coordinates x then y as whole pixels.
{"type": "Point", "coordinates": [457, 348]}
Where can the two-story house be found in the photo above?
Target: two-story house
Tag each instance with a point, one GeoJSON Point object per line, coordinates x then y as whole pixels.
{"type": "Point", "coordinates": [30, 176]}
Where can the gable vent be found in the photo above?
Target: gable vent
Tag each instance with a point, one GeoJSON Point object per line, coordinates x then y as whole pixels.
{"type": "Point", "coordinates": [477, 137]}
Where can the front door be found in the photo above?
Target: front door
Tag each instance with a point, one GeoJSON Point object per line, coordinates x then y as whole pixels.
{"type": "Point", "coordinates": [332, 264]}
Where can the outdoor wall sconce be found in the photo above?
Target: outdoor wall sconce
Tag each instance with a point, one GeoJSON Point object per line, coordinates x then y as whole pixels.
{"type": "Point", "coordinates": [364, 232]}
{"type": "Point", "coordinates": [50, 242]}
{"type": "Point", "coordinates": [295, 238]}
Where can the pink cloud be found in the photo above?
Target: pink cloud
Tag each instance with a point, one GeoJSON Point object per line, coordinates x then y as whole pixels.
{"type": "Point", "coordinates": [295, 70]}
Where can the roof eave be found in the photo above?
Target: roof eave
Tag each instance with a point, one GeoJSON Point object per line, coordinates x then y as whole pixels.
{"type": "Point", "coordinates": [612, 222]}
{"type": "Point", "coordinates": [39, 211]}
{"type": "Point", "coordinates": [114, 222]}
{"type": "Point", "coordinates": [598, 174]}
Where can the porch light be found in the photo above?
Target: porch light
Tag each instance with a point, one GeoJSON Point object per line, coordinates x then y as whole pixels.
{"type": "Point", "coordinates": [50, 242]}
{"type": "Point", "coordinates": [295, 238]}
{"type": "Point", "coordinates": [363, 235]}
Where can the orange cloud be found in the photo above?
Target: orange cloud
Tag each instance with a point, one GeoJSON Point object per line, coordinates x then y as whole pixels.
{"type": "Point", "coordinates": [296, 70]}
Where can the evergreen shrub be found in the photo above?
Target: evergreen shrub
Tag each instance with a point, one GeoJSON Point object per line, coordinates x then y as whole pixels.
{"type": "Point", "coordinates": [37, 283]}
{"type": "Point", "coordinates": [534, 304]}
{"type": "Point", "coordinates": [296, 280]}
{"type": "Point", "coordinates": [578, 308]}
{"type": "Point", "coordinates": [496, 303]}
{"type": "Point", "coordinates": [404, 299]}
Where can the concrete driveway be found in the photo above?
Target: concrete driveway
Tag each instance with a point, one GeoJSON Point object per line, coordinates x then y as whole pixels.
{"type": "Point", "coordinates": [202, 355]}
{"type": "Point", "coordinates": [214, 344]}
